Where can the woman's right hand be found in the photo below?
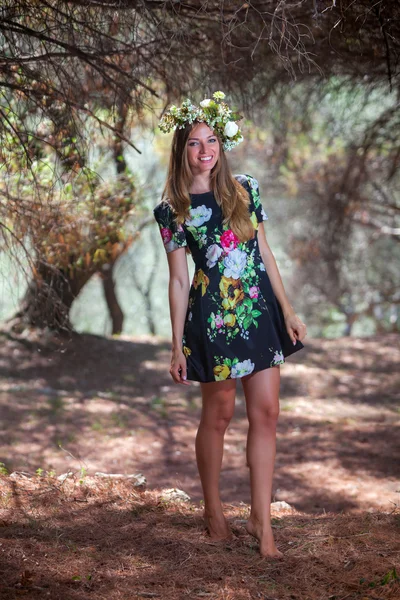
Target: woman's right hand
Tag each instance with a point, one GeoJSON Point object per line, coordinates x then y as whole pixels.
{"type": "Point", "coordinates": [178, 367]}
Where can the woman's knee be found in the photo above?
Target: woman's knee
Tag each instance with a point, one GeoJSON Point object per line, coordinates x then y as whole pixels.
{"type": "Point", "coordinates": [265, 415]}
{"type": "Point", "coordinates": [262, 396]}
{"type": "Point", "coordinates": [218, 405]}
{"type": "Point", "coordinates": [221, 423]}
{"type": "Point", "coordinates": [218, 418]}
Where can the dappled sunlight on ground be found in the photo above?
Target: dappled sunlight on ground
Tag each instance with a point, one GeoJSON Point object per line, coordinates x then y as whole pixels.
{"type": "Point", "coordinates": [108, 404]}
{"type": "Point", "coordinates": [88, 537]}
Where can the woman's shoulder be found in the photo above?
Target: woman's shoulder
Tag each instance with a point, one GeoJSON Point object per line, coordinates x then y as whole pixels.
{"type": "Point", "coordinates": [163, 208]}
{"type": "Point", "coordinates": [250, 183]}
{"type": "Point", "coordinates": [247, 180]}
{"type": "Point", "coordinates": [163, 204]}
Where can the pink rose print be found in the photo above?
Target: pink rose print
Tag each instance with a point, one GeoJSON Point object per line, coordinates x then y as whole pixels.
{"type": "Point", "coordinates": [253, 291]}
{"type": "Point", "coordinates": [229, 240]}
{"type": "Point", "coordinates": [166, 234]}
{"type": "Point", "coordinates": [219, 321]}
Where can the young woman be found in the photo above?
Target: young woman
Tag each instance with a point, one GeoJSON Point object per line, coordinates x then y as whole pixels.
{"type": "Point", "coordinates": [235, 320]}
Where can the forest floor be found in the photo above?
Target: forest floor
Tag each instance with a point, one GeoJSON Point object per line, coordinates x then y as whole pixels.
{"type": "Point", "coordinates": [92, 404]}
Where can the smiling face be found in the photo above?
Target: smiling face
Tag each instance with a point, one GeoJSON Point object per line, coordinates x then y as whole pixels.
{"type": "Point", "coordinates": [203, 149]}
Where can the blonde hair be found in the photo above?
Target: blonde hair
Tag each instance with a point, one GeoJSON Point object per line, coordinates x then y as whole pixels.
{"type": "Point", "coordinates": [231, 196]}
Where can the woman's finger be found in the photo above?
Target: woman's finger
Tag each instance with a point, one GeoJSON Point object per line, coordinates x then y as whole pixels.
{"type": "Point", "coordinates": [291, 333]}
{"type": "Point", "coordinates": [174, 374]}
{"type": "Point", "coordinates": [183, 372]}
{"type": "Point", "coordinates": [302, 330]}
{"type": "Point", "coordinates": [178, 373]}
{"type": "Point", "coordinates": [296, 329]}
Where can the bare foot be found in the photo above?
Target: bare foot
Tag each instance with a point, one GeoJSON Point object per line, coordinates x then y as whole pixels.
{"type": "Point", "coordinates": [217, 527]}
{"type": "Point", "coordinates": [265, 538]}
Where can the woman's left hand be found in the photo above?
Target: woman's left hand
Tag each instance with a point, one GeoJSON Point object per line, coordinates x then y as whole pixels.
{"type": "Point", "coordinates": [295, 327]}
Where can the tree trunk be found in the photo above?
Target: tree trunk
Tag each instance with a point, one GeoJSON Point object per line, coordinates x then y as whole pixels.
{"type": "Point", "coordinates": [48, 299]}
{"type": "Point", "coordinates": [350, 320]}
{"type": "Point", "coordinates": [116, 314]}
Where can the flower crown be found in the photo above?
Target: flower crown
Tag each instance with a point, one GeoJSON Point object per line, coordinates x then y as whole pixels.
{"type": "Point", "coordinates": [214, 112]}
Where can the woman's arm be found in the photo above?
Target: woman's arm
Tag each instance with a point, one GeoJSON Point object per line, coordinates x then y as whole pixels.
{"type": "Point", "coordinates": [178, 293]}
{"type": "Point", "coordinates": [295, 327]}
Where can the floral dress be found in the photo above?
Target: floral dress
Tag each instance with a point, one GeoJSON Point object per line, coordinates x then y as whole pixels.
{"type": "Point", "coordinates": [234, 323]}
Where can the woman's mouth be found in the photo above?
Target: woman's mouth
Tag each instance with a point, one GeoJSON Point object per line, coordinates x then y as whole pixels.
{"type": "Point", "coordinates": [206, 158]}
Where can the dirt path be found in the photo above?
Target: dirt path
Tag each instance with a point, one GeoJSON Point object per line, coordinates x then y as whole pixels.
{"type": "Point", "coordinates": [108, 541]}
{"type": "Point", "coordinates": [106, 404]}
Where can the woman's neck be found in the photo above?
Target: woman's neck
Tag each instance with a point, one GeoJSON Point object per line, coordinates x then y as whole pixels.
{"type": "Point", "coordinates": [200, 183]}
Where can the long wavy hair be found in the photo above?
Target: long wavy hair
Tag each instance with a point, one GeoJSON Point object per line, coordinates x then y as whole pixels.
{"type": "Point", "coordinates": [231, 196]}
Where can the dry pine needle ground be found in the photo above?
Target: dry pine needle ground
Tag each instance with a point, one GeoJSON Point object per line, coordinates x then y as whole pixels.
{"type": "Point", "coordinates": [90, 538]}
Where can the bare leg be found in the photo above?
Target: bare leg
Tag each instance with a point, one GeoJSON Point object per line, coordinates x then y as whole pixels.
{"type": "Point", "coordinates": [262, 402]}
{"type": "Point", "coordinates": [218, 408]}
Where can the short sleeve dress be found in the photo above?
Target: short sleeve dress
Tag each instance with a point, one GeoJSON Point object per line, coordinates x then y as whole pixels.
{"type": "Point", "coordinates": [234, 323]}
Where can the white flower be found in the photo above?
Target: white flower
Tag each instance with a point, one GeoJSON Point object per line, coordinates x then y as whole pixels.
{"type": "Point", "coordinates": [235, 263]}
{"type": "Point", "coordinates": [241, 369]}
{"type": "Point", "coordinates": [278, 358]}
{"type": "Point", "coordinates": [231, 129]}
{"type": "Point", "coordinates": [261, 266]}
{"type": "Point", "coordinates": [198, 216]}
{"type": "Point", "coordinates": [206, 102]}
{"type": "Point", "coordinates": [213, 254]}
{"type": "Point", "coordinates": [264, 214]}
{"type": "Point", "coordinates": [203, 239]}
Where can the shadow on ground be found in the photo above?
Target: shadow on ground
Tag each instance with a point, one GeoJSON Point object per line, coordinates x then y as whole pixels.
{"type": "Point", "coordinates": [102, 404]}
{"type": "Point", "coordinates": [106, 540]}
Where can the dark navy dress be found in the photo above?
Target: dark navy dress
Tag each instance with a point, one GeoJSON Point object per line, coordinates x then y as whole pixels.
{"type": "Point", "coordinates": [234, 323]}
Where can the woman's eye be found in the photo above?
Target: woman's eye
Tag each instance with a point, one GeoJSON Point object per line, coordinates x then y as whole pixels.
{"type": "Point", "coordinates": [212, 140]}
{"type": "Point", "coordinates": [192, 143]}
